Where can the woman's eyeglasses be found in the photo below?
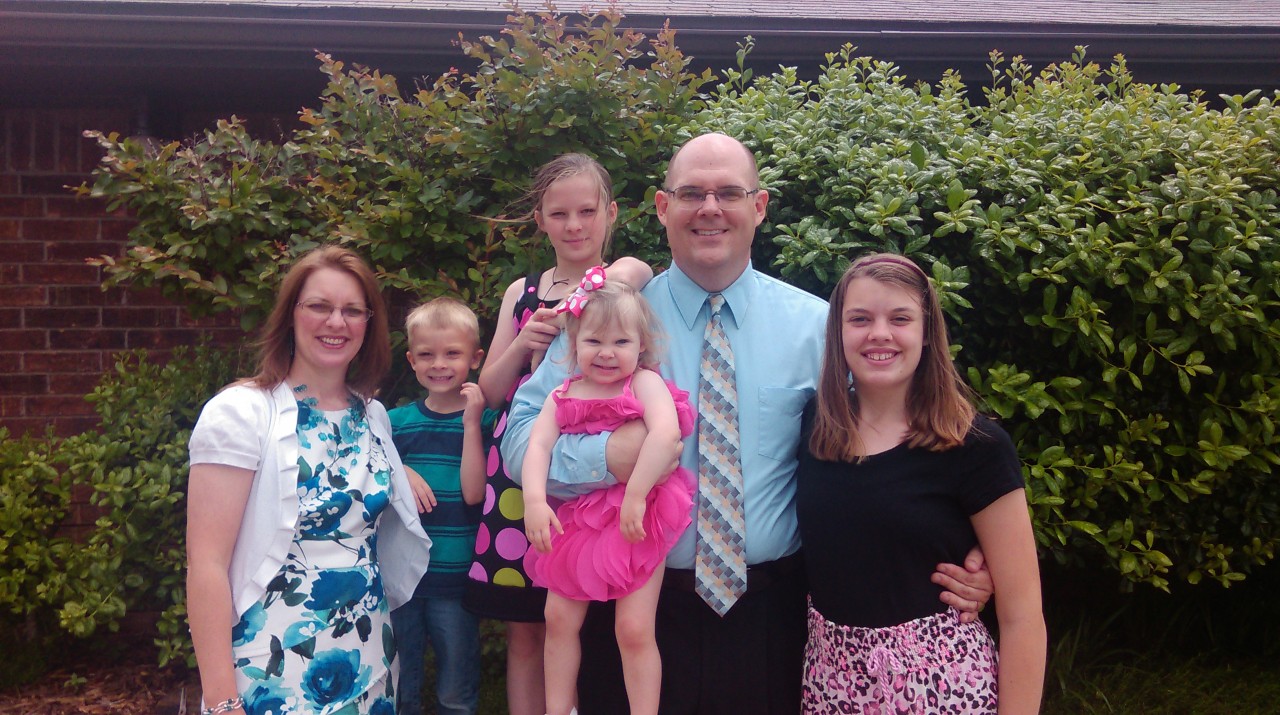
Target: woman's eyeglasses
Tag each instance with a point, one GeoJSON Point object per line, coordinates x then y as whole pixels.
{"type": "Point", "coordinates": [323, 309]}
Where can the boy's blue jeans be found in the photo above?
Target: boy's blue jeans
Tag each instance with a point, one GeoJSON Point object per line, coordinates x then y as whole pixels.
{"type": "Point", "coordinates": [454, 633]}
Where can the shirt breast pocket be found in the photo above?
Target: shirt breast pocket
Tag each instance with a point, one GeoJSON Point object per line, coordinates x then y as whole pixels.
{"type": "Point", "coordinates": [779, 421]}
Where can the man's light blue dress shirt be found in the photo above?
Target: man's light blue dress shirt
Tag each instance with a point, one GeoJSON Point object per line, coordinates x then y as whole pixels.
{"type": "Point", "coordinates": [776, 331]}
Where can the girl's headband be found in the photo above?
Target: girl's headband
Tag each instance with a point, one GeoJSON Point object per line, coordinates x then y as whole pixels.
{"type": "Point", "coordinates": [591, 280]}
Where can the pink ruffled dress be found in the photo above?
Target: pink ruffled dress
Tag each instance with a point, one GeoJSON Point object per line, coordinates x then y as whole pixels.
{"type": "Point", "coordinates": [592, 560]}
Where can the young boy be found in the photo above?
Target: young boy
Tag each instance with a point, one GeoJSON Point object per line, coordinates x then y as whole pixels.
{"type": "Point", "coordinates": [442, 438]}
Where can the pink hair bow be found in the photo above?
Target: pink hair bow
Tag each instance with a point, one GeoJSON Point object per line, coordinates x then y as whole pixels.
{"type": "Point", "coordinates": [591, 280]}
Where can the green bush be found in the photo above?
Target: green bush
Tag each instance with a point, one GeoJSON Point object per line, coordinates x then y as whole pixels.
{"type": "Point", "coordinates": [1108, 252]}
{"type": "Point", "coordinates": [410, 182]}
{"type": "Point", "coordinates": [135, 469]}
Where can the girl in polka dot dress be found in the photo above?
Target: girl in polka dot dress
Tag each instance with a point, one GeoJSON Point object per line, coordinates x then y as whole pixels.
{"type": "Point", "coordinates": [572, 204]}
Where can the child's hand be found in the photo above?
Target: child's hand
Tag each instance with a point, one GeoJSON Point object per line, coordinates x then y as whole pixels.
{"type": "Point", "coordinates": [422, 494]}
{"type": "Point", "coordinates": [474, 411]}
{"type": "Point", "coordinates": [538, 522]}
{"type": "Point", "coordinates": [632, 523]}
{"type": "Point", "coordinates": [537, 334]}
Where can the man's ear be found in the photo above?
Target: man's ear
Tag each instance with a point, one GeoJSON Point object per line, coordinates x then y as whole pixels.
{"type": "Point", "coordinates": [760, 204]}
{"type": "Point", "coordinates": [661, 202]}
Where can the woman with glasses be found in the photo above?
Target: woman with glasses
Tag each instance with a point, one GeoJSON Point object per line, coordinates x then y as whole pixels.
{"type": "Point", "coordinates": [294, 558]}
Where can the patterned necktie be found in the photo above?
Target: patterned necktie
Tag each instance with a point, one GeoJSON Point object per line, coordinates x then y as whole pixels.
{"type": "Point", "coordinates": [720, 564]}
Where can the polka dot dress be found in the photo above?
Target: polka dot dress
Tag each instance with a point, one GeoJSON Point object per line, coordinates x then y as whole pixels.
{"type": "Point", "coordinates": [499, 587]}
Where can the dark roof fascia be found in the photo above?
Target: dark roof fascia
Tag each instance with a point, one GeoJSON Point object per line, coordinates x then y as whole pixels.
{"type": "Point", "coordinates": [40, 34]}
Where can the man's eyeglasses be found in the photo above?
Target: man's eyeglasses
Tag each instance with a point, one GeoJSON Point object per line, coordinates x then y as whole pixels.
{"type": "Point", "coordinates": [323, 309]}
{"type": "Point", "coordinates": [727, 197]}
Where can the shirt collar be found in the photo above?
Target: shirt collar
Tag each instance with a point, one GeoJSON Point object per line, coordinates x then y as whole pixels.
{"type": "Point", "coordinates": [689, 297]}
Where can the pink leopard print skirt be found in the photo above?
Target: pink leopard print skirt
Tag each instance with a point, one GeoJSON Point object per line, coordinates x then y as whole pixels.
{"type": "Point", "coordinates": [930, 665]}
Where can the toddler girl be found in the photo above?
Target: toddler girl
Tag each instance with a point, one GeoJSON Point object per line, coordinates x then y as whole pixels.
{"type": "Point", "coordinates": [608, 544]}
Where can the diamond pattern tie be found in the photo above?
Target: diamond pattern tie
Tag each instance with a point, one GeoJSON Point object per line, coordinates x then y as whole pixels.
{"type": "Point", "coordinates": [720, 564]}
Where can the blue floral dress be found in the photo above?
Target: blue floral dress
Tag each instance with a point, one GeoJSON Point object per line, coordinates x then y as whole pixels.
{"type": "Point", "coordinates": [319, 640]}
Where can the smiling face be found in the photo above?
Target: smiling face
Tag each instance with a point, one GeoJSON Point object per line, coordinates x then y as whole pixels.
{"type": "Point", "coordinates": [324, 345]}
{"type": "Point", "coordinates": [576, 218]}
{"type": "Point", "coordinates": [883, 335]}
{"type": "Point", "coordinates": [607, 351]}
{"type": "Point", "coordinates": [442, 358]}
{"type": "Point", "coordinates": [710, 241]}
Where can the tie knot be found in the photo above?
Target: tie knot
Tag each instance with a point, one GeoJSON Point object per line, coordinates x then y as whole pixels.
{"type": "Point", "coordinates": [717, 302]}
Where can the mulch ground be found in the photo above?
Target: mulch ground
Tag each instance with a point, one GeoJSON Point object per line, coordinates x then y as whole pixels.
{"type": "Point", "coordinates": [101, 686]}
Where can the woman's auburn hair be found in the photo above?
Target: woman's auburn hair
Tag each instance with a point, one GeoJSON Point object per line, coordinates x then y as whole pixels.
{"type": "Point", "coordinates": [275, 346]}
{"type": "Point", "coordinates": [939, 402]}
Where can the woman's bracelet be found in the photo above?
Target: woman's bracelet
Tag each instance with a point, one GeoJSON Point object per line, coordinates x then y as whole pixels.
{"type": "Point", "coordinates": [225, 706]}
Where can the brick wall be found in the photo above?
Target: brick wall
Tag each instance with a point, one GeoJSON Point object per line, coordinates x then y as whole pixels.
{"type": "Point", "coordinates": [58, 329]}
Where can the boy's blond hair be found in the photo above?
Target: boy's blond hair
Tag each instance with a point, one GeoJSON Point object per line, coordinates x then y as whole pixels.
{"type": "Point", "coordinates": [443, 313]}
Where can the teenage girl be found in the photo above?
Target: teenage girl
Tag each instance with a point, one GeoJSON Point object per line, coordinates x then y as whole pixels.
{"type": "Point", "coordinates": [898, 473]}
{"type": "Point", "coordinates": [572, 204]}
{"type": "Point", "coordinates": [609, 544]}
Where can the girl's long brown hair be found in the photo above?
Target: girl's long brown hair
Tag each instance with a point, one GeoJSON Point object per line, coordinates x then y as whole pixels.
{"type": "Point", "coordinates": [939, 402]}
{"type": "Point", "coordinates": [275, 346]}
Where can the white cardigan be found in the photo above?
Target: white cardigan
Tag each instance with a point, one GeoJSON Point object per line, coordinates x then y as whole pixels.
{"type": "Point", "coordinates": [247, 427]}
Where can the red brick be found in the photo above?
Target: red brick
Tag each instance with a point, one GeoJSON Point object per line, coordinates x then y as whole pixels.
{"type": "Point", "coordinates": [147, 296]}
{"type": "Point", "coordinates": [18, 425]}
{"type": "Point", "coordinates": [24, 340]}
{"type": "Point", "coordinates": [73, 383]}
{"type": "Point", "coordinates": [105, 120]}
{"type": "Point", "coordinates": [87, 339]}
{"type": "Point", "coordinates": [60, 230]}
{"type": "Point", "coordinates": [61, 361]}
{"type": "Point", "coordinates": [22, 252]}
{"type": "Point", "coordinates": [78, 251]}
{"type": "Point", "coordinates": [10, 317]}
{"type": "Point", "coordinates": [9, 273]}
{"type": "Point", "coordinates": [21, 206]}
{"type": "Point", "coordinates": [68, 140]}
{"type": "Point", "coordinates": [45, 141]}
{"type": "Point", "coordinates": [67, 426]}
{"type": "Point", "coordinates": [139, 317]}
{"type": "Point", "coordinates": [220, 320]}
{"type": "Point", "coordinates": [66, 206]}
{"type": "Point", "coordinates": [21, 136]}
{"type": "Point", "coordinates": [75, 296]}
{"type": "Point", "coordinates": [53, 405]}
{"type": "Point", "coordinates": [63, 318]}
{"type": "Point", "coordinates": [22, 296]}
{"type": "Point", "coordinates": [117, 231]}
{"type": "Point", "coordinates": [10, 406]}
{"type": "Point", "coordinates": [24, 384]}
{"type": "Point", "coordinates": [10, 228]}
{"type": "Point", "coordinates": [50, 184]}
{"type": "Point", "coordinates": [9, 183]}
{"type": "Point", "coordinates": [81, 494]}
{"type": "Point", "coordinates": [153, 339]}
{"type": "Point", "coordinates": [11, 363]}
{"type": "Point", "coordinates": [61, 274]}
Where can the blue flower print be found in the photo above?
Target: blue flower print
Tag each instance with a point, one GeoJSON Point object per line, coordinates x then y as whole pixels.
{"type": "Point", "coordinates": [250, 623]}
{"type": "Point", "coordinates": [302, 631]}
{"type": "Point", "coordinates": [338, 589]}
{"type": "Point", "coordinates": [374, 504]}
{"type": "Point", "coordinates": [267, 697]}
{"type": "Point", "coordinates": [334, 676]}
{"type": "Point", "coordinates": [324, 518]}
{"type": "Point", "coordinates": [382, 706]}
{"type": "Point", "coordinates": [379, 465]}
